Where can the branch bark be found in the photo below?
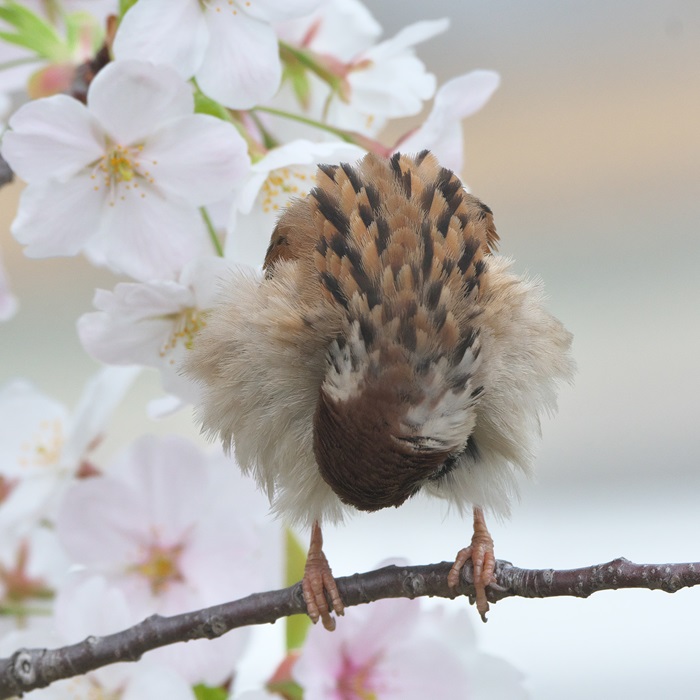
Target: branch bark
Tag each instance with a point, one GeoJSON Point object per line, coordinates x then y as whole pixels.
{"type": "Point", "coordinates": [28, 669]}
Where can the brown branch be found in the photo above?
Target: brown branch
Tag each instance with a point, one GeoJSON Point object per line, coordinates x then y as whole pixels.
{"type": "Point", "coordinates": [28, 669]}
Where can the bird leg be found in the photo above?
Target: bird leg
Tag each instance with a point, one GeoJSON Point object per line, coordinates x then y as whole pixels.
{"type": "Point", "coordinates": [480, 551]}
{"type": "Point", "coordinates": [318, 580]}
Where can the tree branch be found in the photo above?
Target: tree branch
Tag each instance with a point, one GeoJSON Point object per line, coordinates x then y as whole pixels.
{"type": "Point", "coordinates": [28, 669]}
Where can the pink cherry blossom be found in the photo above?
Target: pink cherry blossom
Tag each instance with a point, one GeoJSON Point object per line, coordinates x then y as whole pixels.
{"type": "Point", "coordinates": [395, 649]}
{"type": "Point", "coordinates": [136, 164]}
{"type": "Point", "coordinates": [174, 530]}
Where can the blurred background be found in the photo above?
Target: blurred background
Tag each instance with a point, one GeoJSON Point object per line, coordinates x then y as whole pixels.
{"type": "Point", "coordinates": [589, 155]}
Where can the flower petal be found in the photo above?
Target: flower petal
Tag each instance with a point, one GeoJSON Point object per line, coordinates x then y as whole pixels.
{"type": "Point", "coordinates": [241, 67]}
{"type": "Point", "coordinates": [100, 398]}
{"type": "Point", "coordinates": [199, 158]}
{"type": "Point", "coordinates": [133, 323]}
{"type": "Point", "coordinates": [170, 476]}
{"type": "Point", "coordinates": [131, 99]}
{"type": "Point", "coordinates": [148, 237]}
{"type": "Point", "coordinates": [101, 523]}
{"type": "Point", "coordinates": [54, 137]}
{"type": "Point", "coordinates": [167, 32]}
{"type": "Point", "coordinates": [455, 100]}
{"type": "Point", "coordinates": [57, 218]}
{"type": "Point", "coordinates": [277, 10]}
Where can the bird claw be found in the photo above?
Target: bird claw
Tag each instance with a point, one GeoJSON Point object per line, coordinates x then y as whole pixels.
{"type": "Point", "coordinates": [481, 554]}
{"type": "Point", "coordinates": [318, 582]}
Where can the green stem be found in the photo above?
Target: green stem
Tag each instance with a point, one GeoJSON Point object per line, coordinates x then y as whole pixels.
{"type": "Point", "coordinates": [344, 135]}
{"type": "Point", "coordinates": [306, 59]}
{"type": "Point", "coordinates": [269, 141]}
{"type": "Point", "coordinates": [22, 611]}
{"type": "Point", "coordinates": [19, 62]}
{"type": "Point", "coordinates": [212, 232]}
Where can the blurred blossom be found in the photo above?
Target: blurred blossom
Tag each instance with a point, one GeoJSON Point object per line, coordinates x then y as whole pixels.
{"type": "Point", "coordinates": [26, 70]}
{"type": "Point", "coordinates": [229, 47]}
{"type": "Point", "coordinates": [174, 530]}
{"type": "Point", "coordinates": [388, 80]}
{"type": "Point", "coordinates": [395, 649]}
{"type": "Point", "coordinates": [31, 568]}
{"type": "Point", "coordinates": [42, 445]}
{"type": "Point", "coordinates": [456, 100]}
{"type": "Point", "coordinates": [8, 301]}
{"type": "Point", "coordinates": [154, 323]}
{"type": "Point", "coordinates": [338, 28]}
{"type": "Point", "coordinates": [125, 681]}
{"type": "Point", "coordinates": [135, 164]}
{"type": "Point", "coordinates": [380, 82]}
{"type": "Point", "coordinates": [283, 174]}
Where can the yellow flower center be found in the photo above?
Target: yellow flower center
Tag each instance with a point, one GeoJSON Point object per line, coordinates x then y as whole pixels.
{"type": "Point", "coordinates": [121, 171]}
{"type": "Point", "coordinates": [186, 325]}
{"type": "Point", "coordinates": [282, 184]}
{"type": "Point", "coordinates": [218, 5]}
{"type": "Point", "coordinates": [160, 567]}
{"type": "Point", "coordinates": [355, 682]}
{"type": "Point", "coordinates": [45, 449]}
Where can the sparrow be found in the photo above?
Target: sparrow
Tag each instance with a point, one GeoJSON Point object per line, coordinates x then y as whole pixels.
{"type": "Point", "coordinates": [387, 350]}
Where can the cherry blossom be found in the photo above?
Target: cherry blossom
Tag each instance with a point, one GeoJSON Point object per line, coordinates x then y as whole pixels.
{"type": "Point", "coordinates": [154, 323]}
{"type": "Point", "coordinates": [136, 163]}
{"type": "Point", "coordinates": [228, 46]}
{"type": "Point", "coordinates": [123, 681]}
{"type": "Point", "coordinates": [339, 28]}
{"type": "Point", "coordinates": [284, 173]}
{"type": "Point", "coordinates": [396, 649]}
{"type": "Point", "coordinates": [42, 445]}
{"type": "Point", "coordinates": [27, 68]}
{"type": "Point", "coordinates": [457, 99]}
{"type": "Point", "coordinates": [32, 566]}
{"type": "Point", "coordinates": [175, 531]}
{"type": "Point", "coordinates": [383, 81]}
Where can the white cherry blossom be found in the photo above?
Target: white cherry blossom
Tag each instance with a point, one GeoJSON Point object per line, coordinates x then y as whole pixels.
{"type": "Point", "coordinates": [381, 82]}
{"type": "Point", "coordinates": [456, 100]}
{"type": "Point", "coordinates": [339, 28]}
{"type": "Point", "coordinates": [285, 173]}
{"type": "Point", "coordinates": [123, 178]}
{"type": "Point", "coordinates": [228, 46]}
{"type": "Point", "coordinates": [154, 323]}
{"type": "Point", "coordinates": [43, 445]}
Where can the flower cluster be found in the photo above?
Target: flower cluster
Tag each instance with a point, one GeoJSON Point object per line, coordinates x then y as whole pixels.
{"type": "Point", "coordinates": [161, 139]}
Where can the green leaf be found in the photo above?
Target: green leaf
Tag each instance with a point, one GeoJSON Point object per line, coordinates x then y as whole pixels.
{"type": "Point", "coordinates": [205, 692]}
{"type": "Point", "coordinates": [80, 24]}
{"type": "Point", "coordinates": [125, 6]}
{"type": "Point", "coordinates": [32, 32]}
{"type": "Point", "coordinates": [287, 689]}
{"type": "Point", "coordinates": [299, 80]}
{"type": "Point", "coordinates": [205, 105]}
{"type": "Point", "coordinates": [297, 625]}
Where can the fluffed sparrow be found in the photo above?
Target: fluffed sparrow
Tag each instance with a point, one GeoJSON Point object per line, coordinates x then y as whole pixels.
{"type": "Point", "coordinates": [386, 351]}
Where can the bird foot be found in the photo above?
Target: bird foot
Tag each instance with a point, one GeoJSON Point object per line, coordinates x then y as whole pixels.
{"type": "Point", "coordinates": [481, 554]}
{"type": "Point", "coordinates": [317, 582]}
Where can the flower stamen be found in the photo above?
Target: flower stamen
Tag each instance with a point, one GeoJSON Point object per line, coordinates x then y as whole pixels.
{"type": "Point", "coordinates": [161, 567]}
